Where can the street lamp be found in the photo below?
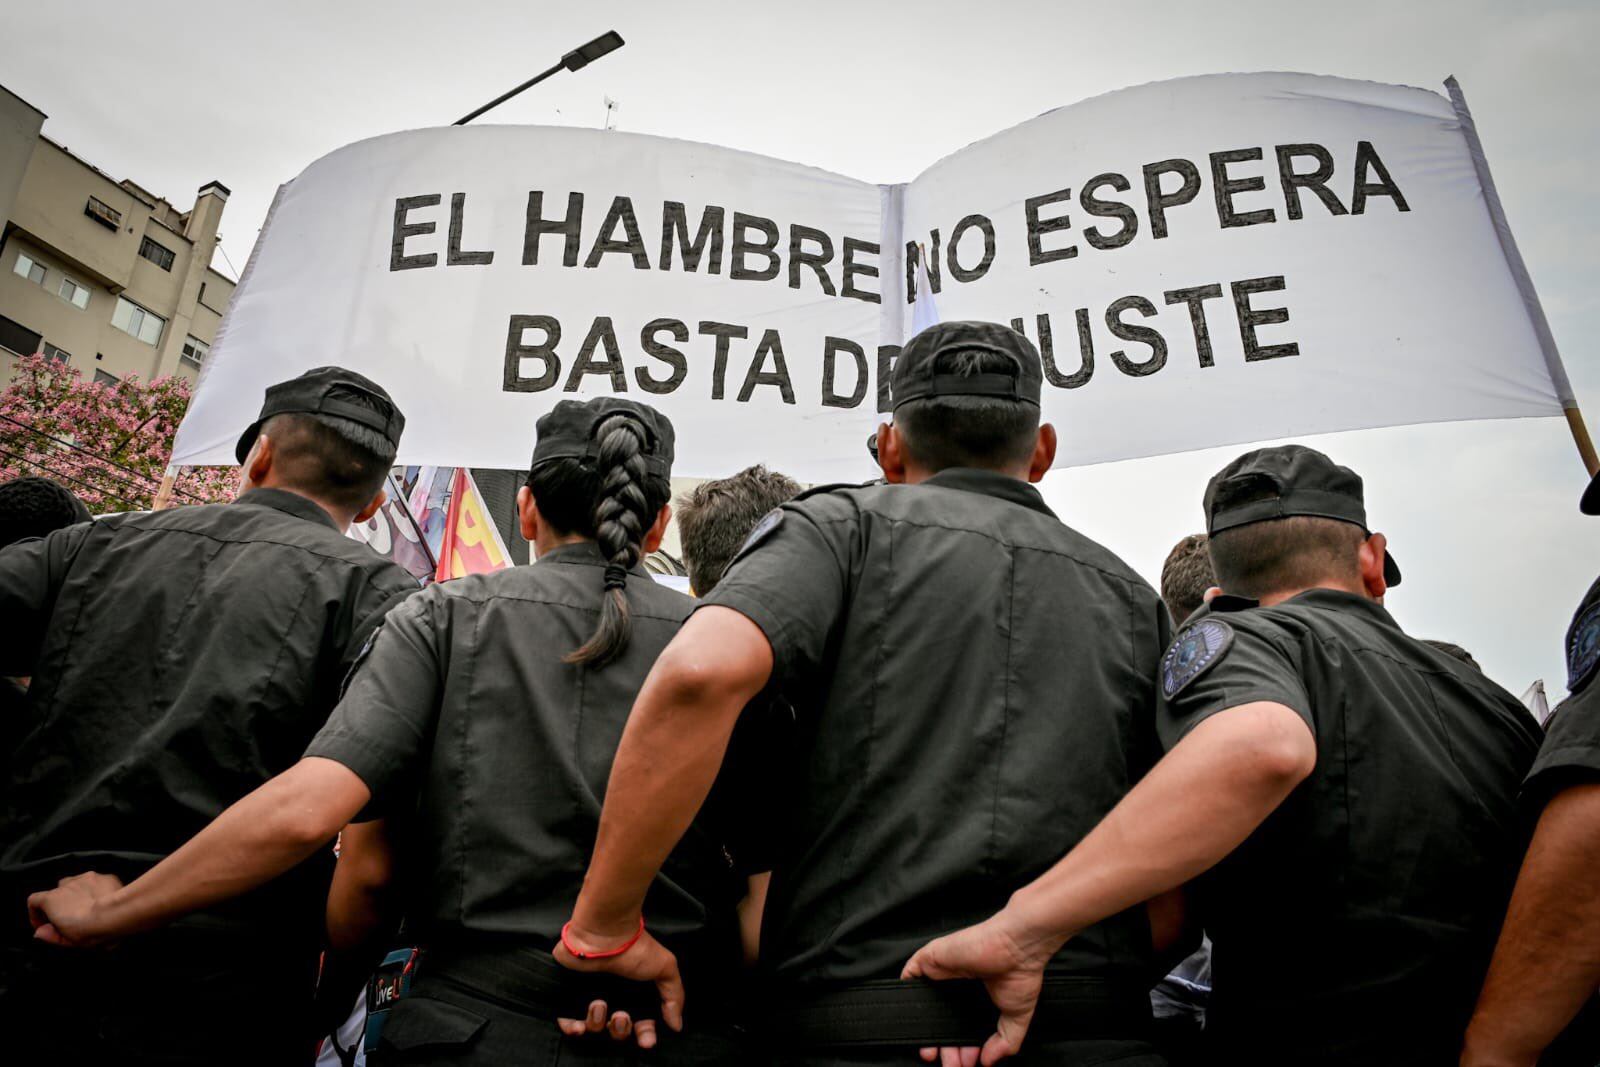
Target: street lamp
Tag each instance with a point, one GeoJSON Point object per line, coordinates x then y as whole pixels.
{"type": "Point", "coordinates": [576, 59]}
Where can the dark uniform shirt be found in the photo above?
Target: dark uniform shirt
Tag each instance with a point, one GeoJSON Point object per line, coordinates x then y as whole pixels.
{"type": "Point", "coordinates": [180, 659]}
{"type": "Point", "coordinates": [463, 717]}
{"type": "Point", "coordinates": [973, 684]}
{"type": "Point", "coordinates": [1571, 751]}
{"type": "Point", "coordinates": [1354, 926]}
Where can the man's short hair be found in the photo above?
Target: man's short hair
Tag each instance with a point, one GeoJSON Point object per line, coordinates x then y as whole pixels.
{"type": "Point", "coordinates": [1186, 575]}
{"type": "Point", "coordinates": [331, 458]}
{"type": "Point", "coordinates": [717, 516]}
{"type": "Point", "coordinates": [34, 507]}
{"type": "Point", "coordinates": [987, 432]}
{"type": "Point", "coordinates": [1298, 552]}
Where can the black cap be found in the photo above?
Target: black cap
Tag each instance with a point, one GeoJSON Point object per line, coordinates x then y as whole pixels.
{"type": "Point", "coordinates": [914, 378]}
{"type": "Point", "coordinates": [1590, 504]}
{"type": "Point", "coordinates": [1277, 483]}
{"type": "Point", "coordinates": [326, 391]}
{"type": "Point", "coordinates": [567, 431]}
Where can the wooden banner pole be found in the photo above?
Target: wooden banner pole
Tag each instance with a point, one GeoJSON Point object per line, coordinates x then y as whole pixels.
{"type": "Point", "coordinates": [1580, 434]}
{"type": "Point", "coordinates": [164, 493]}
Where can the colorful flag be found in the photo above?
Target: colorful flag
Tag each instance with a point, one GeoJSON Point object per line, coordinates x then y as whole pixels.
{"type": "Point", "coordinates": [472, 544]}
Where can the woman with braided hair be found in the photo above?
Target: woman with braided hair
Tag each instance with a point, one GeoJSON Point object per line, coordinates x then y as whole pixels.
{"type": "Point", "coordinates": [471, 749]}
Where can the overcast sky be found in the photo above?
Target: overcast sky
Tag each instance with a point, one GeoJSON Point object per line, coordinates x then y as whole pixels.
{"type": "Point", "coordinates": [1482, 516]}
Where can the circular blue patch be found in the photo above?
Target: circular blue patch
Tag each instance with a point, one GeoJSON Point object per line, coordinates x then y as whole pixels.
{"type": "Point", "coordinates": [1583, 648]}
{"type": "Point", "coordinates": [1197, 647]}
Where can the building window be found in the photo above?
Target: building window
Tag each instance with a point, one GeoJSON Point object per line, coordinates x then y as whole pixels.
{"type": "Point", "coordinates": [194, 350]}
{"type": "Point", "coordinates": [18, 338]}
{"type": "Point", "coordinates": [30, 270]}
{"type": "Point", "coordinates": [158, 254]}
{"type": "Point", "coordinates": [74, 294]}
{"type": "Point", "coordinates": [102, 378]}
{"type": "Point", "coordinates": [60, 355]}
{"type": "Point", "coordinates": [132, 319]}
{"type": "Point", "coordinates": [103, 213]}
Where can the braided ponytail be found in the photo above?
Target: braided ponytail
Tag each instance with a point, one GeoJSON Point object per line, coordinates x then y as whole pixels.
{"type": "Point", "coordinates": [622, 515]}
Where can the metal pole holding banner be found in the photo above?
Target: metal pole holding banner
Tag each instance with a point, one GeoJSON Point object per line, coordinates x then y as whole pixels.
{"type": "Point", "coordinates": [1519, 274]}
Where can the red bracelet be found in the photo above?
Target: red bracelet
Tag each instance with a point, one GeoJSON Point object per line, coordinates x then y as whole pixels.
{"type": "Point", "coordinates": [579, 953]}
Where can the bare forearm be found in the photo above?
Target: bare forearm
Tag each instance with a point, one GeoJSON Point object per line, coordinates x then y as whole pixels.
{"type": "Point", "coordinates": [670, 752]}
{"type": "Point", "coordinates": [257, 839]}
{"type": "Point", "coordinates": [665, 766]}
{"type": "Point", "coordinates": [1197, 805]}
{"type": "Point", "coordinates": [1548, 960]}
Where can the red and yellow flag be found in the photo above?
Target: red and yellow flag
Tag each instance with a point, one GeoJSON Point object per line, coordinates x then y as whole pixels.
{"type": "Point", "coordinates": [472, 544]}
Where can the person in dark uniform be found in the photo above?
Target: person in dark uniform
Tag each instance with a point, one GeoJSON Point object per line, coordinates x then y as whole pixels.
{"type": "Point", "coordinates": [974, 689]}
{"type": "Point", "coordinates": [29, 507]}
{"type": "Point", "coordinates": [1344, 793]}
{"type": "Point", "coordinates": [479, 727]}
{"type": "Point", "coordinates": [1547, 965]}
{"type": "Point", "coordinates": [181, 658]}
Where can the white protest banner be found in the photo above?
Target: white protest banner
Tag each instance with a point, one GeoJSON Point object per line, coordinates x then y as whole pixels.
{"type": "Point", "coordinates": [1205, 261]}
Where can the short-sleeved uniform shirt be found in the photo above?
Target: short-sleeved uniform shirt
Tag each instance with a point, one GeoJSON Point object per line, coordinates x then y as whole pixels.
{"type": "Point", "coordinates": [1571, 750]}
{"type": "Point", "coordinates": [466, 725]}
{"type": "Point", "coordinates": [179, 659]}
{"type": "Point", "coordinates": [973, 688]}
{"type": "Point", "coordinates": [1356, 923]}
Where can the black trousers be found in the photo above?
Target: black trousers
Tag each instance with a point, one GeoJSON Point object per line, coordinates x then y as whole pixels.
{"type": "Point", "coordinates": [195, 993]}
{"type": "Point", "coordinates": [495, 1009]}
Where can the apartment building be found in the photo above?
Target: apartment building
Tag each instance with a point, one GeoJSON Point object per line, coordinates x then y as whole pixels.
{"type": "Point", "coordinates": [101, 273]}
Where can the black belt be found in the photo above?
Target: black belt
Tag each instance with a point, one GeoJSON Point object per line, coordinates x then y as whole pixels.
{"type": "Point", "coordinates": [894, 1012]}
{"type": "Point", "coordinates": [531, 982]}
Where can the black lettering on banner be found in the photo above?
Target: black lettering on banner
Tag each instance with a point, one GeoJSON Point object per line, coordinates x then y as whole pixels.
{"type": "Point", "coordinates": [675, 222]}
{"type": "Point", "coordinates": [1367, 157]}
{"type": "Point", "coordinates": [1108, 209]}
{"type": "Point", "coordinates": [1038, 227]}
{"type": "Point", "coordinates": [743, 248]}
{"type": "Point", "coordinates": [666, 353]}
{"type": "Point", "coordinates": [1315, 180]}
{"type": "Point", "coordinates": [537, 226]}
{"type": "Point", "coordinates": [831, 347]}
{"type": "Point", "coordinates": [779, 375]}
{"type": "Point", "coordinates": [1225, 189]}
{"type": "Point", "coordinates": [514, 381]}
{"type": "Point", "coordinates": [817, 261]}
{"type": "Point", "coordinates": [1159, 201]}
{"type": "Point", "coordinates": [887, 354]}
{"type": "Point", "coordinates": [1047, 350]}
{"type": "Point", "coordinates": [398, 260]}
{"type": "Point", "coordinates": [631, 243]}
{"type": "Point", "coordinates": [1196, 298]}
{"type": "Point", "coordinates": [852, 268]}
{"type": "Point", "coordinates": [601, 335]}
{"type": "Point", "coordinates": [724, 333]}
{"type": "Point", "coordinates": [454, 257]}
{"type": "Point", "coordinates": [1250, 318]}
{"type": "Point", "coordinates": [957, 271]}
{"type": "Point", "coordinates": [913, 257]}
{"type": "Point", "coordinates": [1129, 331]}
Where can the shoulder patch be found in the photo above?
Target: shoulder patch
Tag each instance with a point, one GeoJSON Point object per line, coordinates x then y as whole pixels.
{"type": "Point", "coordinates": [1583, 648]}
{"type": "Point", "coordinates": [1194, 651]}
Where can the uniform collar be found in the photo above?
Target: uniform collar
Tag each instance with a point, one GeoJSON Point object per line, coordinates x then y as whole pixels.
{"type": "Point", "coordinates": [586, 554]}
{"type": "Point", "coordinates": [992, 483]}
{"type": "Point", "coordinates": [290, 504]}
{"type": "Point", "coordinates": [1339, 600]}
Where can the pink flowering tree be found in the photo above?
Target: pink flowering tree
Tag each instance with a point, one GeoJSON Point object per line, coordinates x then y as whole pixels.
{"type": "Point", "coordinates": [109, 443]}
